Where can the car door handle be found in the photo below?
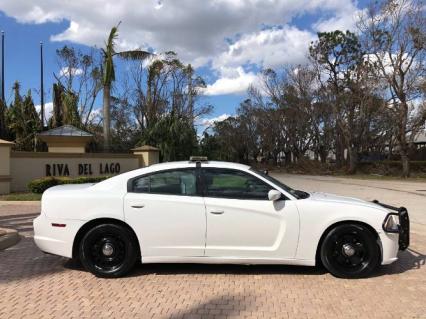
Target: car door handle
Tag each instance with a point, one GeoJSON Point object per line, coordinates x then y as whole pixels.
{"type": "Point", "coordinates": [217, 212]}
{"type": "Point", "coordinates": [138, 206]}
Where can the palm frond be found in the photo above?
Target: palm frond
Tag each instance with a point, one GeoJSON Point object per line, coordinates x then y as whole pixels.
{"type": "Point", "coordinates": [134, 55]}
{"type": "Point", "coordinates": [108, 53]}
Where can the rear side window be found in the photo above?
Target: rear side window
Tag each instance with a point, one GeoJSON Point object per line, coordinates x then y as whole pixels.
{"type": "Point", "coordinates": [228, 183]}
{"type": "Point", "coordinates": [173, 182]}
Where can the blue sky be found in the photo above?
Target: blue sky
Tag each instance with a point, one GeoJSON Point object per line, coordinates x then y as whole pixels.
{"type": "Point", "coordinates": [228, 41]}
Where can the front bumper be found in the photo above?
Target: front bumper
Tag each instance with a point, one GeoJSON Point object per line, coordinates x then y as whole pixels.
{"type": "Point", "coordinates": [404, 224]}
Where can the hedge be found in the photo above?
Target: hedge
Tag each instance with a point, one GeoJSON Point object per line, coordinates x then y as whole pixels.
{"type": "Point", "coordinates": [39, 185]}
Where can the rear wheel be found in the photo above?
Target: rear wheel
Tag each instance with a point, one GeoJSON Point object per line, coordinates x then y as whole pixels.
{"type": "Point", "coordinates": [350, 251]}
{"type": "Point", "coordinates": [108, 250]}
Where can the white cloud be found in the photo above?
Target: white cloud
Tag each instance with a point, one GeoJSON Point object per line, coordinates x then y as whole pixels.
{"type": "Point", "coordinates": [268, 48]}
{"type": "Point", "coordinates": [343, 19]}
{"type": "Point", "coordinates": [48, 110]}
{"type": "Point", "coordinates": [74, 72]}
{"type": "Point", "coordinates": [195, 29]}
{"type": "Point", "coordinates": [224, 35]}
{"type": "Point", "coordinates": [232, 83]}
{"type": "Point", "coordinates": [387, 61]}
{"type": "Point", "coordinates": [211, 121]}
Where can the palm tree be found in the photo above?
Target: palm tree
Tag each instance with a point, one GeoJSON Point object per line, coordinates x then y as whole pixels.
{"type": "Point", "coordinates": [109, 77]}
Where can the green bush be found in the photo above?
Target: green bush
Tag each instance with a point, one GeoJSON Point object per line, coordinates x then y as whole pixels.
{"type": "Point", "coordinates": [39, 185]}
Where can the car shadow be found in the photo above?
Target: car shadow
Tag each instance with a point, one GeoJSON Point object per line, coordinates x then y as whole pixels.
{"type": "Point", "coordinates": [25, 261]}
{"type": "Point", "coordinates": [225, 269]}
{"type": "Point", "coordinates": [28, 264]}
{"type": "Point", "coordinates": [409, 259]}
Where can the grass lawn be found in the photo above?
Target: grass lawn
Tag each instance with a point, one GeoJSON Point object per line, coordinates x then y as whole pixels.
{"type": "Point", "coordinates": [20, 197]}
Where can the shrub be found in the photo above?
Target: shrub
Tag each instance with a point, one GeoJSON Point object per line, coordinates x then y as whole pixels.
{"type": "Point", "coordinates": [39, 185]}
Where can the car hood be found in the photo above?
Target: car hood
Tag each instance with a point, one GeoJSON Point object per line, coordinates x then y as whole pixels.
{"type": "Point", "coordinates": [326, 197]}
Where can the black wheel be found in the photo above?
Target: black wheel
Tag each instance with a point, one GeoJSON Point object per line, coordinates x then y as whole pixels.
{"type": "Point", "coordinates": [108, 250]}
{"type": "Point", "coordinates": [350, 251]}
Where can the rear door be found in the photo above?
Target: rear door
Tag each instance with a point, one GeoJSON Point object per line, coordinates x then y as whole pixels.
{"type": "Point", "coordinates": [242, 222]}
{"type": "Point", "coordinates": [167, 213]}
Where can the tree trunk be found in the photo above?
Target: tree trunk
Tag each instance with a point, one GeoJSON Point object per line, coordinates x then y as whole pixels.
{"type": "Point", "coordinates": [107, 119]}
{"type": "Point", "coordinates": [287, 157]}
{"type": "Point", "coordinates": [340, 157]}
{"type": "Point", "coordinates": [353, 160]}
{"type": "Point", "coordinates": [403, 145]}
{"type": "Point", "coordinates": [405, 164]}
{"type": "Point", "coordinates": [322, 154]}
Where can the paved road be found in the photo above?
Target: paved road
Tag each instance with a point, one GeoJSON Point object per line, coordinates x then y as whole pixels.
{"type": "Point", "coordinates": [35, 285]}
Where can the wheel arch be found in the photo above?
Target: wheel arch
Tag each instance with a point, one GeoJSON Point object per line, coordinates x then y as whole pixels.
{"type": "Point", "coordinates": [342, 222]}
{"type": "Point", "coordinates": [94, 222]}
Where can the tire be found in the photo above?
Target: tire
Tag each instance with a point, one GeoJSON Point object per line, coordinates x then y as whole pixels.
{"type": "Point", "coordinates": [350, 251]}
{"type": "Point", "coordinates": [108, 250]}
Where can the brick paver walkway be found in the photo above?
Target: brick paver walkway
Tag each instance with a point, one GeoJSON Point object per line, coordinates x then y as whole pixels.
{"type": "Point", "coordinates": [35, 285]}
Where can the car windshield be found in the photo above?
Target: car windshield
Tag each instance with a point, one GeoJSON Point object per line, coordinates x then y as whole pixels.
{"type": "Point", "coordinates": [296, 193]}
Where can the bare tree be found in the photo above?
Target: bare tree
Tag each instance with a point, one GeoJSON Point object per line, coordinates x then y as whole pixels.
{"type": "Point", "coordinates": [80, 76]}
{"type": "Point", "coordinates": [292, 94]}
{"type": "Point", "coordinates": [394, 33]}
{"type": "Point", "coordinates": [347, 87]}
{"type": "Point", "coordinates": [165, 85]}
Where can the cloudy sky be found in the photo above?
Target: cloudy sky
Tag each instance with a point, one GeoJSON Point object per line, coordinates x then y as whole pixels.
{"type": "Point", "coordinates": [228, 41]}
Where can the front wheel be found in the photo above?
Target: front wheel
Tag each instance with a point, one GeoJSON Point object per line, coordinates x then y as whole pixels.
{"type": "Point", "coordinates": [108, 250]}
{"type": "Point", "coordinates": [350, 251]}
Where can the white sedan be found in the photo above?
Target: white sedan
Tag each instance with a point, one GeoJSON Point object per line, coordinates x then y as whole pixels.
{"type": "Point", "coordinates": [201, 211]}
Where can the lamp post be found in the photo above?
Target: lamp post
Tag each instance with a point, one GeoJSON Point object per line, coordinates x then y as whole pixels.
{"type": "Point", "coordinates": [41, 87]}
{"type": "Point", "coordinates": [2, 67]}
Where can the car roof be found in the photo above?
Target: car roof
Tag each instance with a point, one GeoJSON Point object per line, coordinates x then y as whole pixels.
{"type": "Point", "coordinates": [182, 164]}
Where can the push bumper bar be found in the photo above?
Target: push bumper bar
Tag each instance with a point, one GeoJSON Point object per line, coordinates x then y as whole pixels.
{"type": "Point", "coordinates": [404, 224]}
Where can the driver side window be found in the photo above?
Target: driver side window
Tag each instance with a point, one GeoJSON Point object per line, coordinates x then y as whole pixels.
{"type": "Point", "coordinates": [229, 183]}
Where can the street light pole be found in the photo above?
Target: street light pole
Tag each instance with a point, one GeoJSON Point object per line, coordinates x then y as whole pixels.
{"type": "Point", "coordinates": [41, 87]}
{"type": "Point", "coordinates": [2, 67]}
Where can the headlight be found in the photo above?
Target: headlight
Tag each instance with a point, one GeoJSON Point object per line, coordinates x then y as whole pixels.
{"type": "Point", "coordinates": [391, 223]}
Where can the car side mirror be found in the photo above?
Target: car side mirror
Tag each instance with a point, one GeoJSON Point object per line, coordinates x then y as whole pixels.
{"type": "Point", "coordinates": [274, 195]}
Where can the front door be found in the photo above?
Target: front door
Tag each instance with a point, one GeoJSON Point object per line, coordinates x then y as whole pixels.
{"type": "Point", "coordinates": [242, 222]}
{"type": "Point", "coordinates": [167, 214]}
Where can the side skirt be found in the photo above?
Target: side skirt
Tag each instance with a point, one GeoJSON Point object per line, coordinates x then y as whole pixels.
{"type": "Point", "coordinates": [227, 260]}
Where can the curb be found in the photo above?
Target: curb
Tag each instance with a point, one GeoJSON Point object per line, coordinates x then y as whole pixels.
{"type": "Point", "coordinates": [8, 238]}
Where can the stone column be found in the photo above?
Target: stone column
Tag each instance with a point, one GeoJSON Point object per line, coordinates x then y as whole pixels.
{"type": "Point", "coordinates": [148, 155]}
{"type": "Point", "coordinates": [5, 177]}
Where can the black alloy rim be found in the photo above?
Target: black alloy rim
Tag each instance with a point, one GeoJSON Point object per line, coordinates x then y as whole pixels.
{"type": "Point", "coordinates": [349, 251]}
{"type": "Point", "coordinates": [106, 251]}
